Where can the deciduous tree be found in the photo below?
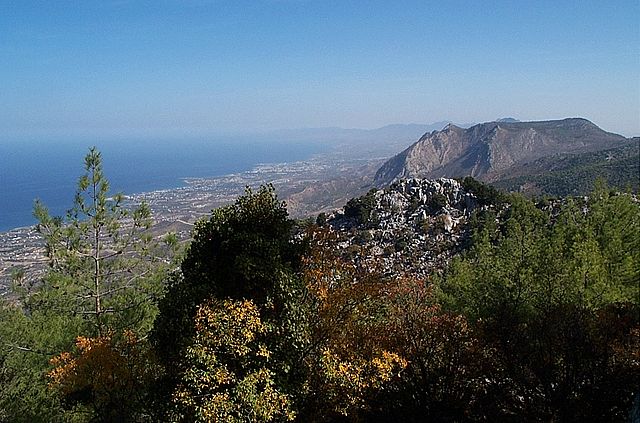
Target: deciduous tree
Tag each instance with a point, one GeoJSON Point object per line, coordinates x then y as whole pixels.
{"type": "Point", "coordinates": [229, 375]}
{"type": "Point", "coordinates": [245, 251]}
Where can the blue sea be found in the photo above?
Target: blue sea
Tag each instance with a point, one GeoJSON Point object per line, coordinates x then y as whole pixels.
{"type": "Point", "coordinates": [49, 169]}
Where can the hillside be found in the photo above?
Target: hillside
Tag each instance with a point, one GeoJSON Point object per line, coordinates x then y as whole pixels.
{"type": "Point", "coordinates": [574, 174]}
{"type": "Point", "coordinates": [425, 300]}
{"type": "Point", "coordinates": [413, 226]}
{"type": "Point", "coordinates": [496, 151]}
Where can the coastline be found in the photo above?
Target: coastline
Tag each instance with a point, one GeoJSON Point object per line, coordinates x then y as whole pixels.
{"type": "Point", "coordinates": [175, 209]}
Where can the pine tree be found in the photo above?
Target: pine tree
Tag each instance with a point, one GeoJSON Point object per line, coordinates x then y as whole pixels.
{"type": "Point", "coordinates": [103, 278]}
{"type": "Point", "coordinates": [102, 257]}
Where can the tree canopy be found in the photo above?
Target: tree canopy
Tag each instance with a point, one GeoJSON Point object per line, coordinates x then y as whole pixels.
{"type": "Point", "coordinates": [264, 320]}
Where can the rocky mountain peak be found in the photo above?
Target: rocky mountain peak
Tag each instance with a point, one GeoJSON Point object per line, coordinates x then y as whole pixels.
{"type": "Point", "coordinates": [451, 127]}
{"type": "Point", "coordinates": [490, 150]}
{"type": "Point", "coordinates": [414, 224]}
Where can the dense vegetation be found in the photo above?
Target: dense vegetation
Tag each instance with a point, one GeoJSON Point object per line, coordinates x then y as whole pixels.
{"type": "Point", "coordinates": [360, 208]}
{"type": "Point", "coordinates": [538, 320]}
{"type": "Point", "coordinates": [575, 174]}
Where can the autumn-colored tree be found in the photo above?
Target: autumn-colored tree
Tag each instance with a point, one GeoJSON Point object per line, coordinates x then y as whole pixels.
{"type": "Point", "coordinates": [244, 251]}
{"type": "Point", "coordinates": [349, 362]}
{"type": "Point", "coordinates": [451, 375]}
{"type": "Point", "coordinates": [106, 376]}
{"type": "Point", "coordinates": [229, 375]}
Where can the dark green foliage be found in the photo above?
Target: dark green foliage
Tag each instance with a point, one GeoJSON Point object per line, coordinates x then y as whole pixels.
{"type": "Point", "coordinates": [363, 238]}
{"type": "Point", "coordinates": [244, 251]}
{"type": "Point", "coordinates": [485, 194]}
{"type": "Point", "coordinates": [542, 290]}
{"type": "Point", "coordinates": [321, 220]}
{"type": "Point", "coordinates": [438, 201]}
{"type": "Point", "coordinates": [103, 277]}
{"type": "Point", "coordinates": [26, 344]}
{"type": "Point", "coordinates": [586, 252]}
{"type": "Point", "coordinates": [239, 253]}
{"type": "Point", "coordinates": [400, 245]}
{"type": "Point", "coordinates": [576, 175]}
{"type": "Point", "coordinates": [360, 208]}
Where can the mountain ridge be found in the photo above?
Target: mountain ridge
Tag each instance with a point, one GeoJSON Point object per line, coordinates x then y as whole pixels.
{"type": "Point", "coordinates": [490, 150]}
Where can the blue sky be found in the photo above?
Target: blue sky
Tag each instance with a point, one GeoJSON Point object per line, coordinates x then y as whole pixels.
{"type": "Point", "coordinates": [121, 68]}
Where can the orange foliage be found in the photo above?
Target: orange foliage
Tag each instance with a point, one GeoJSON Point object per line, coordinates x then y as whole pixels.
{"type": "Point", "coordinates": [352, 361]}
{"type": "Point", "coordinates": [377, 335]}
{"type": "Point", "coordinates": [105, 373]}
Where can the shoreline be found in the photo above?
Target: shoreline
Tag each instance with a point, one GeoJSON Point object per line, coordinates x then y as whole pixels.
{"type": "Point", "coordinates": [175, 209]}
{"type": "Point", "coordinates": [184, 183]}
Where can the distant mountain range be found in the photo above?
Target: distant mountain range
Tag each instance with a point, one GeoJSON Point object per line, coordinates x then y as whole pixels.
{"type": "Point", "coordinates": [528, 156]}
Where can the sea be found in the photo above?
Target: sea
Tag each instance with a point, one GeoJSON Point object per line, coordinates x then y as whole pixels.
{"type": "Point", "coordinates": [48, 170]}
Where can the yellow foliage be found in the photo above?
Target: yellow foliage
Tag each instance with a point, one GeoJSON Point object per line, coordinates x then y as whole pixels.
{"type": "Point", "coordinates": [228, 378]}
{"type": "Point", "coordinates": [353, 362]}
{"type": "Point", "coordinates": [348, 380]}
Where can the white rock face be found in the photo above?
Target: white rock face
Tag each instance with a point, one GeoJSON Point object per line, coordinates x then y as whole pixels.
{"type": "Point", "coordinates": [416, 225]}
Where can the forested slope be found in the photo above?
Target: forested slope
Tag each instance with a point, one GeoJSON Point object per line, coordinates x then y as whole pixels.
{"type": "Point", "coordinates": [527, 312]}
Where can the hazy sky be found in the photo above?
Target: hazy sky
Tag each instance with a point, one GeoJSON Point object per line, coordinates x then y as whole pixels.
{"type": "Point", "coordinates": [198, 67]}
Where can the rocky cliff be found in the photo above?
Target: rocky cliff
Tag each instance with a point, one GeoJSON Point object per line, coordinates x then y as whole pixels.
{"type": "Point", "coordinates": [491, 151]}
{"type": "Point", "coordinates": [412, 226]}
